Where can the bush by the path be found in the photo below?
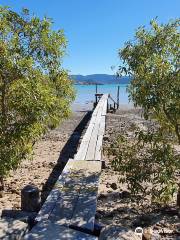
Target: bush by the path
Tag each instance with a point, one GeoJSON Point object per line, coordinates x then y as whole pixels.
{"type": "Point", "coordinates": [35, 91]}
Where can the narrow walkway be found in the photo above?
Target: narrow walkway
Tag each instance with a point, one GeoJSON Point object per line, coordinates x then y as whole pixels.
{"type": "Point", "coordinates": [69, 211]}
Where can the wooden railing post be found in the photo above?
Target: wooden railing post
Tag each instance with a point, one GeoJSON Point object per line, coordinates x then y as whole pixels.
{"type": "Point", "coordinates": [118, 97]}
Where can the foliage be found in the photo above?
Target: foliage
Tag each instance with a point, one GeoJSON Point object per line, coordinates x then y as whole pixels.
{"type": "Point", "coordinates": [35, 91]}
{"type": "Point", "coordinates": [147, 163]}
{"type": "Point", "coordinates": [152, 59]}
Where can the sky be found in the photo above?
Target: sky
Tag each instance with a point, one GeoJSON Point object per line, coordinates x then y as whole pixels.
{"type": "Point", "coordinates": [97, 29]}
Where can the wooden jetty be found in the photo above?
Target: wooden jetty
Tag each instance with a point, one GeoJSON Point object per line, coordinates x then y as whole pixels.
{"type": "Point", "coordinates": [69, 211]}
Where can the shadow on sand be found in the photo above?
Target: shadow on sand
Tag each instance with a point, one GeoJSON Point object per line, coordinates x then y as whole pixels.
{"type": "Point", "coordinates": [67, 152]}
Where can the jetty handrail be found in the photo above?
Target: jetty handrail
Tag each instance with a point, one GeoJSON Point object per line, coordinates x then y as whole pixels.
{"type": "Point", "coordinates": [112, 99]}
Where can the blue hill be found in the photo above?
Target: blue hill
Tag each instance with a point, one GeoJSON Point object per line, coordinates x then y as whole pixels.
{"type": "Point", "coordinates": [100, 79]}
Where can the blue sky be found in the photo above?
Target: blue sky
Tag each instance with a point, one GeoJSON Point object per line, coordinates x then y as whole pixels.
{"type": "Point", "coordinates": [96, 29]}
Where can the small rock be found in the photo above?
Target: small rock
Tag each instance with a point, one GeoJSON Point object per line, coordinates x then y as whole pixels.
{"type": "Point", "coordinates": [106, 138]}
{"type": "Point", "coordinates": [36, 177]}
{"type": "Point", "coordinates": [109, 191]}
{"type": "Point", "coordinates": [15, 191]}
{"type": "Point", "coordinates": [113, 186]}
{"type": "Point", "coordinates": [113, 196]}
{"type": "Point", "coordinates": [98, 215]}
{"type": "Point", "coordinates": [125, 194]}
{"type": "Point", "coordinates": [143, 221]}
{"type": "Point", "coordinates": [118, 232]}
{"type": "Point", "coordinates": [102, 196]}
{"type": "Point", "coordinates": [51, 164]}
{"type": "Point", "coordinates": [44, 165]}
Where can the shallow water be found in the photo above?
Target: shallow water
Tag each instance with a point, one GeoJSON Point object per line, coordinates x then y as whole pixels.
{"type": "Point", "coordinates": [86, 93]}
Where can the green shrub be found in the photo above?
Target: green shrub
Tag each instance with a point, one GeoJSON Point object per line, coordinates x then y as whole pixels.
{"type": "Point", "coordinates": [148, 164]}
{"type": "Point", "coordinates": [35, 91]}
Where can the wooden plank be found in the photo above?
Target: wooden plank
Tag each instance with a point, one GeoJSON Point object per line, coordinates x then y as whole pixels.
{"type": "Point", "coordinates": [65, 205]}
{"type": "Point", "coordinates": [84, 144]}
{"type": "Point", "coordinates": [88, 133]}
{"type": "Point", "coordinates": [85, 210]}
{"type": "Point", "coordinates": [104, 111]}
{"type": "Point", "coordinates": [50, 202]}
{"type": "Point", "coordinates": [54, 195]}
{"type": "Point", "coordinates": [99, 105]}
{"type": "Point", "coordinates": [46, 230]}
{"type": "Point", "coordinates": [48, 205]}
{"type": "Point", "coordinates": [88, 144]}
{"type": "Point", "coordinates": [79, 190]}
{"type": "Point", "coordinates": [102, 125]}
{"type": "Point", "coordinates": [96, 109]}
{"type": "Point", "coordinates": [85, 141]}
{"type": "Point", "coordinates": [92, 144]}
{"type": "Point", "coordinates": [98, 150]}
{"type": "Point", "coordinates": [69, 193]}
{"type": "Point", "coordinates": [94, 137]}
{"type": "Point", "coordinates": [102, 101]}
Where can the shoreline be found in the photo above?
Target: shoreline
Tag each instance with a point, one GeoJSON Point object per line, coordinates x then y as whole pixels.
{"type": "Point", "coordinates": [88, 106]}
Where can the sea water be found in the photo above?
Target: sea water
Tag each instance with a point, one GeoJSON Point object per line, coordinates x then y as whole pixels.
{"type": "Point", "coordinates": [86, 93]}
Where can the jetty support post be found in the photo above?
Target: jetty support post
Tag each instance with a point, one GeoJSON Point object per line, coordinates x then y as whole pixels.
{"type": "Point", "coordinates": [118, 97]}
{"type": "Point", "coordinates": [30, 199]}
{"type": "Point", "coordinates": [96, 97]}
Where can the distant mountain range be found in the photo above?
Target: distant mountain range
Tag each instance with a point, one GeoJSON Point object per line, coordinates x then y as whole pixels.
{"type": "Point", "coordinates": [99, 79]}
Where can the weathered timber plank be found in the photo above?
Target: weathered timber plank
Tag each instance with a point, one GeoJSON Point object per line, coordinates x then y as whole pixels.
{"type": "Point", "coordinates": [85, 141]}
{"type": "Point", "coordinates": [92, 144]}
{"type": "Point", "coordinates": [88, 144]}
{"type": "Point", "coordinates": [54, 195]}
{"type": "Point", "coordinates": [102, 125]}
{"type": "Point", "coordinates": [88, 133]}
{"type": "Point", "coordinates": [99, 105]}
{"type": "Point", "coordinates": [85, 210]}
{"type": "Point", "coordinates": [69, 193]}
{"type": "Point", "coordinates": [46, 230]}
{"type": "Point", "coordinates": [98, 150]}
{"type": "Point", "coordinates": [104, 110]}
{"type": "Point", "coordinates": [79, 190]}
